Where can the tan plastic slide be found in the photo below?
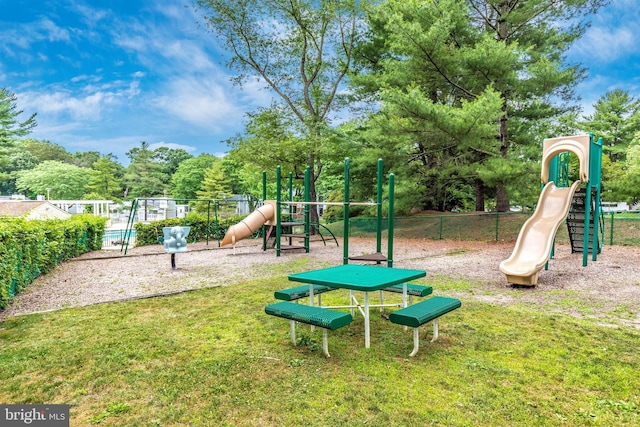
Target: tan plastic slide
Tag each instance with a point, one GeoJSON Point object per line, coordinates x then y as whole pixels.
{"type": "Point", "coordinates": [245, 228]}
{"type": "Point", "coordinates": [535, 240]}
{"type": "Point", "coordinates": [533, 247]}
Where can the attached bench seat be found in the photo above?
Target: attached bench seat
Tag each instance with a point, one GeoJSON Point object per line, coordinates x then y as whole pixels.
{"type": "Point", "coordinates": [413, 289]}
{"type": "Point", "coordinates": [292, 294]}
{"type": "Point", "coordinates": [422, 312]}
{"type": "Point", "coordinates": [316, 316]}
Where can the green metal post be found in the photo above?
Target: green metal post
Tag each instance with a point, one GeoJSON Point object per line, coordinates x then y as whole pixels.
{"type": "Point", "coordinates": [379, 209]}
{"type": "Point", "coordinates": [391, 220]}
{"type": "Point", "coordinates": [441, 226]}
{"type": "Point", "coordinates": [307, 216]}
{"type": "Point", "coordinates": [345, 257]}
{"type": "Point", "coordinates": [497, 225]}
{"type": "Point", "coordinates": [290, 206]}
{"type": "Point", "coordinates": [290, 209]}
{"type": "Point", "coordinates": [278, 209]}
{"type": "Point", "coordinates": [264, 197]}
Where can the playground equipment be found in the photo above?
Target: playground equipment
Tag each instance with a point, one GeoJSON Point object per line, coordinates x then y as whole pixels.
{"type": "Point", "coordinates": [270, 214]}
{"type": "Point", "coordinates": [535, 243]}
{"type": "Point", "coordinates": [141, 204]}
{"type": "Point", "coordinates": [264, 215]}
{"type": "Point", "coordinates": [175, 240]}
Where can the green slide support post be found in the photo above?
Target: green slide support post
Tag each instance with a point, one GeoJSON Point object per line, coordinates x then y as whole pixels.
{"type": "Point", "coordinates": [391, 216]}
{"type": "Point", "coordinates": [345, 259]}
{"type": "Point", "coordinates": [553, 176]}
{"type": "Point", "coordinates": [278, 208]}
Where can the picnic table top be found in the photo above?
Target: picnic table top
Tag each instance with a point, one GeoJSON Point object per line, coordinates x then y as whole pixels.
{"type": "Point", "coordinates": [358, 277]}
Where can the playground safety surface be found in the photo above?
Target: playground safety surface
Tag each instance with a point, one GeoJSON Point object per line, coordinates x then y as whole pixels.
{"type": "Point", "coordinates": [607, 290]}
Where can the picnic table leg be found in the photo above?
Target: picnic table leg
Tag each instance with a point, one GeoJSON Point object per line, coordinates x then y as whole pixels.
{"type": "Point", "coordinates": [325, 343]}
{"type": "Point", "coordinates": [293, 332]}
{"type": "Point", "coordinates": [367, 338]}
{"type": "Point", "coordinates": [416, 342]}
{"type": "Point", "coordinates": [435, 330]}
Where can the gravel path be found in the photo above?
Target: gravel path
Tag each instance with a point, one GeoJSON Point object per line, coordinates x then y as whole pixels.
{"type": "Point", "coordinates": [608, 289]}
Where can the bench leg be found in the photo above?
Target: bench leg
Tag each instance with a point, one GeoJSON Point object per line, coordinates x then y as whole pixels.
{"type": "Point", "coordinates": [416, 342]}
{"type": "Point", "coordinates": [325, 343]}
{"type": "Point", "coordinates": [293, 331]}
{"type": "Point", "coordinates": [435, 330]}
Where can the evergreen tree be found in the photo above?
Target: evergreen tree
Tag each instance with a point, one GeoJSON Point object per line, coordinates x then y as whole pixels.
{"type": "Point", "coordinates": [617, 120]}
{"type": "Point", "coordinates": [11, 128]}
{"type": "Point", "coordinates": [144, 176]}
{"type": "Point", "coordinates": [430, 61]}
{"type": "Point", "coordinates": [105, 179]}
{"type": "Point", "coordinates": [215, 185]}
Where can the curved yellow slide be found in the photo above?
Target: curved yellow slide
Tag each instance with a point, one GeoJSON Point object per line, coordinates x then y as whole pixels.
{"type": "Point", "coordinates": [245, 228]}
{"type": "Point", "coordinates": [533, 247]}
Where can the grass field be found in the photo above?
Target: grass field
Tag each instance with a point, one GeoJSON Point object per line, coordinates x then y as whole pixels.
{"type": "Point", "coordinates": [213, 358]}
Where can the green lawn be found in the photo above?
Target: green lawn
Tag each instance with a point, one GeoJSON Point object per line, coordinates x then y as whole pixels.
{"type": "Point", "coordinates": [212, 357]}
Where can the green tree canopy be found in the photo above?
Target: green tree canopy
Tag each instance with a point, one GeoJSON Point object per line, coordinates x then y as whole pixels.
{"type": "Point", "coordinates": [64, 181]}
{"type": "Point", "coordinates": [105, 181]}
{"type": "Point", "coordinates": [438, 66]}
{"type": "Point", "coordinates": [45, 150]}
{"type": "Point", "coordinates": [144, 177]}
{"type": "Point", "coordinates": [189, 176]}
{"type": "Point", "coordinates": [215, 185]}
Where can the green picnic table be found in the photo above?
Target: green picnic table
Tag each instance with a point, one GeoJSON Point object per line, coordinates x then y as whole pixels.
{"type": "Point", "coordinates": [364, 278]}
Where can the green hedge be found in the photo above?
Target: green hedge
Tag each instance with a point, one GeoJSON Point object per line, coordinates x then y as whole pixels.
{"type": "Point", "coordinates": [30, 248]}
{"type": "Point", "coordinates": [201, 227]}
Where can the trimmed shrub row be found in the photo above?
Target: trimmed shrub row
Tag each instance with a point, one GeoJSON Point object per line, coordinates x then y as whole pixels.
{"type": "Point", "coordinates": [30, 248]}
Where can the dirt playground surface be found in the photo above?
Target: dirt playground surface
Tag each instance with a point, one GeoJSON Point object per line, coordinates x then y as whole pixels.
{"type": "Point", "coordinates": [607, 290]}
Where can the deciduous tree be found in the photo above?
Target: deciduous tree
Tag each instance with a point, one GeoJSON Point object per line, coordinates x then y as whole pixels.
{"type": "Point", "coordinates": [63, 181]}
{"type": "Point", "coordinates": [302, 50]}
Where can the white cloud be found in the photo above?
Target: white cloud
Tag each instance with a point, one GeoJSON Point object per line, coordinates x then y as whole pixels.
{"type": "Point", "coordinates": [198, 102]}
{"type": "Point", "coordinates": [607, 44]}
{"type": "Point", "coordinates": [52, 32]}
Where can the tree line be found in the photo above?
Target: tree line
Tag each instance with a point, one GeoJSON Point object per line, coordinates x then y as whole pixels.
{"type": "Point", "coordinates": [455, 95]}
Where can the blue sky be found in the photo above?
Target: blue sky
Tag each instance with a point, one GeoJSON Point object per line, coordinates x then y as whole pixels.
{"type": "Point", "coordinates": [105, 75]}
